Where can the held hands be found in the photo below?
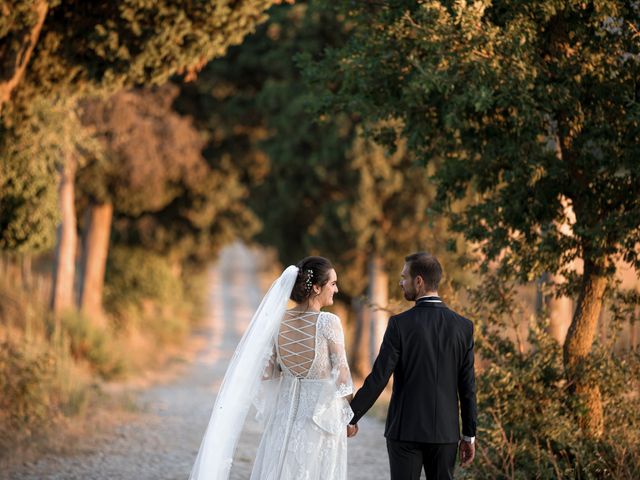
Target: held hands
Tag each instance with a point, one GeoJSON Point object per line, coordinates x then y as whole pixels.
{"type": "Point", "coordinates": [352, 430]}
{"type": "Point", "coordinates": [467, 453]}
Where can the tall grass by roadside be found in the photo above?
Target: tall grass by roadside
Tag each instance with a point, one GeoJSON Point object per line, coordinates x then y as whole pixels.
{"type": "Point", "coordinates": [51, 368]}
{"type": "Point", "coordinates": [40, 381]}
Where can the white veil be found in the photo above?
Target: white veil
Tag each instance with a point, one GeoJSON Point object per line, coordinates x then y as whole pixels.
{"type": "Point", "coordinates": [241, 382]}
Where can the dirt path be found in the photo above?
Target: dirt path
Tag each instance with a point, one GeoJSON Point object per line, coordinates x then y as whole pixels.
{"type": "Point", "coordinates": [161, 442]}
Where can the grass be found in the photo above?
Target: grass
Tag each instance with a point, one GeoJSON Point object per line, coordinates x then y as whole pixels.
{"type": "Point", "coordinates": [56, 373]}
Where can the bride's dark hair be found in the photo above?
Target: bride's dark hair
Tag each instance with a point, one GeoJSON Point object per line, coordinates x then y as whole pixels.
{"type": "Point", "coordinates": [311, 271]}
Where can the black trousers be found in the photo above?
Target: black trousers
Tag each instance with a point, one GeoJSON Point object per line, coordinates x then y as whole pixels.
{"type": "Point", "coordinates": [408, 458]}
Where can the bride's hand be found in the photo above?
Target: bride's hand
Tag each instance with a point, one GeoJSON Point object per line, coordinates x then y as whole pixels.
{"type": "Point", "coordinates": [352, 430]}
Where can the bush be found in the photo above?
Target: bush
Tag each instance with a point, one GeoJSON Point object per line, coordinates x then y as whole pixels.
{"type": "Point", "coordinates": [39, 385]}
{"type": "Point", "coordinates": [142, 291]}
{"type": "Point", "coordinates": [48, 365]}
{"type": "Point", "coordinates": [134, 275]}
{"type": "Point", "coordinates": [527, 426]}
{"type": "Point", "coordinates": [26, 398]}
{"type": "Point", "coordinates": [96, 345]}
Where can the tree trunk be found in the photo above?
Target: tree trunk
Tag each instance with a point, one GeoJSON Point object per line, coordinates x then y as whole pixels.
{"type": "Point", "coordinates": [95, 245]}
{"type": "Point", "coordinates": [559, 310]}
{"type": "Point", "coordinates": [26, 271]}
{"type": "Point", "coordinates": [379, 299]}
{"type": "Point", "coordinates": [67, 239]}
{"type": "Point", "coordinates": [14, 63]}
{"type": "Point", "coordinates": [360, 360]}
{"type": "Point", "coordinates": [11, 273]}
{"type": "Point", "coordinates": [633, 333]}
{"type": "Point", "coordinates": [578, 345]}
{"type": "Point", "coordinates": [560, 314]}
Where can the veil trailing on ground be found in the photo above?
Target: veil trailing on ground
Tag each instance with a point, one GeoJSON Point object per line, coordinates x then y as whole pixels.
{"type": "Point", "coordinates": [242, 382]}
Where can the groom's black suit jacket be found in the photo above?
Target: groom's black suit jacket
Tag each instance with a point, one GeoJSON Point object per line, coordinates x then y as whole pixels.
{"type": "Point", "coordinates": [429, 350]}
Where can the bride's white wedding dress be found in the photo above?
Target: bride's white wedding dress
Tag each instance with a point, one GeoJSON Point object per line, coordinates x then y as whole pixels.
{"type": "Point", "coordinates": [292, 367]}
{"type": "Point", "coordinates": [305, 386]}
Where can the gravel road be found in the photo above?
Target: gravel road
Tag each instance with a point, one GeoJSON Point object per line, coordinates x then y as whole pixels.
{"type": "Point", "coordinates": [162, 440]}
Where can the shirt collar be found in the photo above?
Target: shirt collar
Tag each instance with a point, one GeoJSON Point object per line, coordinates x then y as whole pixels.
{"type": "Point", "coordinates": [429, 299]}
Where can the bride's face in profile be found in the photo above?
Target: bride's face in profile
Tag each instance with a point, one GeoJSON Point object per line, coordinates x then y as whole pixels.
{"type": "Point", "coordinates": [328, 290]}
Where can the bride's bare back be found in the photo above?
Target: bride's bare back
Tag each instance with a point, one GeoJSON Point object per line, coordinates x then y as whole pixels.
{"type": "Point", "coordinates": [297, 341]}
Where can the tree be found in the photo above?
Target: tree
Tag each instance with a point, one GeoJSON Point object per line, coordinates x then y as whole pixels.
{"type": "Point", "coordinates": [531, 106]}
{"type": "Point", "coordinates": [317, 186]}
{"type": "Point", "coordinates": [21, 25]}
{"type": "Point", "coordinates": [59, 47]}
{"type": "Point", "coordinates": [67, 50]}
{"type": "Point", "coordinates": [42, 148]}
{"type": "Point", "coordinates": [67, 240]}
{"type": "Point", "coordinates": [95, 249]}
{"type": "Point", "coordinates": [165, 196]}
{"type": "Point", "coordinates": [28, 203]}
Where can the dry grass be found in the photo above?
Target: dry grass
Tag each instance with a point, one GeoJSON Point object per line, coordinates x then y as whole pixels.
{"type": "Point", "coordinates": [64, 378]}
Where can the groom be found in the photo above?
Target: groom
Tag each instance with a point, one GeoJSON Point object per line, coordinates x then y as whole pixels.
{"type": "Point", "coordinates": [429, 349]}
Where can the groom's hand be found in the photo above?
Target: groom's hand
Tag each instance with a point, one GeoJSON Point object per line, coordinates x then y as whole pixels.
{"type": "Point", "coordinates": [467, 453]}
{"type": "Point", "coordinates": [352, 430]}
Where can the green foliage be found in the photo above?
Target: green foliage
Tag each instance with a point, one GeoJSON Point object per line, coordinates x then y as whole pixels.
{"type": "Point", "coordinates": [316, 185]}
{"type": "Point", "coordinates": [25, 400]}
{"type": "Point", "coordinates": [150, 150]}
{"type": "Point", "coordinates": [143, 291]}
{"type": "Point", "coordinates": [166, 196]}
{"type": "Point", "coordinates": [95, 345]}
{"type": "Point", "coordinates": [89, 48]}
{"type": "Point", "coordinates": [17, 17]}
{"type": "Point", "coordinates": [31, 153]}
{"type": "Point", "coordinates": [134, 275]}
{"type": "Point", "coordinates": [530, 114]}
{"type": "Point", "coordinates": [533, 106]}
{"type": "Point", "coordinates": [527, 423]}
{"type": "Point", "coordinates": [84, 47]}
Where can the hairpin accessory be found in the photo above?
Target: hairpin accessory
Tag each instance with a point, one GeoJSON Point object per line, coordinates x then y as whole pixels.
{"type": "Point", "coordinates": [308, 283]}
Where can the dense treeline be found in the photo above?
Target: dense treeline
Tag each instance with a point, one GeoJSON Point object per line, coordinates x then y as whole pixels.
{"type": "Point", "coordinates": [534, 108]}
{"type": "Point", "coordinates": [58, 56]}
{"type": "Point", "coordinates": [101, 181]}
{"type": "Point", "coordinates": [367, 128]}
{"type": "Point", "coordinates": [317, 187]}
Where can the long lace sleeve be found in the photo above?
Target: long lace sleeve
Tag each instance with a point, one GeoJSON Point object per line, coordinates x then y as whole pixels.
{"type": "Point", "coordinates": [264, 400]}
{"type": "Point", "coordinates": [272, 369]}
{"type": "Point", "coordinates": [339, 367]}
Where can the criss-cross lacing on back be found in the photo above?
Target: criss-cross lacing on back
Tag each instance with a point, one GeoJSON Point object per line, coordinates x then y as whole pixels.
{"type": "Point", "coordinates": [297, 342]}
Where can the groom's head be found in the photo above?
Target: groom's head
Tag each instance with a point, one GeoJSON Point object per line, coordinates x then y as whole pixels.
{"type": "Point", "coordinates": [421, 275]}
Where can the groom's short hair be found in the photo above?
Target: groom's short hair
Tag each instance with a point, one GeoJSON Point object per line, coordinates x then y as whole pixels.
{"type": "Point", "coordinates": [427, 266]}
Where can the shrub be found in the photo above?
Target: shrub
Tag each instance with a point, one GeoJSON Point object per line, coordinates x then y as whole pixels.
{"type": "Point", "coordinates": [134, 275]}
{"type": "Point", "coordinates": [98, 346]}
{"type": "Point", "coordinates": [527, 425]}
{"type": "Point", "coordinates": [142, 291]}
{"type": "Point", "coordinates": [26, 398]}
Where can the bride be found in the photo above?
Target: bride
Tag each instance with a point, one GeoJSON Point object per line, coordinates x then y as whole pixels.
{"type": "Point", "coordinates": [291, 365]}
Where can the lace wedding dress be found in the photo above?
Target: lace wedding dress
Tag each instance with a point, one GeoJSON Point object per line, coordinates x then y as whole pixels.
{"type": "Point", "coordinates": [302, 403]}
{"type": "Point", "coordinates": [292, 367]}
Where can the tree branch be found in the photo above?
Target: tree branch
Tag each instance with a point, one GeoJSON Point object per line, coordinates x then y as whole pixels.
{"type": "Point", "coordinates": [17, 65]}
